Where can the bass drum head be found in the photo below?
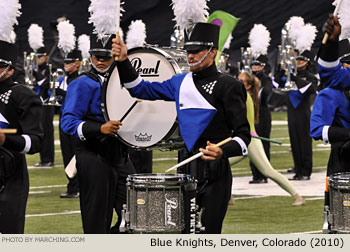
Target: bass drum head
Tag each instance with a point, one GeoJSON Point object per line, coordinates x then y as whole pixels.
{"type": "Point", "coordinates": [149, 121]}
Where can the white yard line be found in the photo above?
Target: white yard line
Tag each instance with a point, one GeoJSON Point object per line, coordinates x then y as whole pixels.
{"type": "Point", "coordinates": [39, 192]}
{"type": "Point", "coordinates": [48, 186]}
{"type": "Point", "coordinates": [53, 214]}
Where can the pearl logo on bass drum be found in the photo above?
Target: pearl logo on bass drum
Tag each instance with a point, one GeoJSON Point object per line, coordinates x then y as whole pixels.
{"type": "Point", "coordinates": [145, 71]}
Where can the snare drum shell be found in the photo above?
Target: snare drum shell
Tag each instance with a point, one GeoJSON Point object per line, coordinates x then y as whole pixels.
{"type": "Point", "coordinates": [155, 202]}
{"type": "Point", "coordinates": [339, 191]}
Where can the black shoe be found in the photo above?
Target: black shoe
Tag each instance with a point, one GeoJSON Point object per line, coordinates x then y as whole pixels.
{"type": "Point", "coordinates": [296, 177]}
{"type": "Point", "coordinates": [48, 164]}
{"type": "Point", "coordinates": [291, 170]}
{"type": "Point", "coordinates": [69, 195]}
{"type": "Point", "coordinates": [258, 181]}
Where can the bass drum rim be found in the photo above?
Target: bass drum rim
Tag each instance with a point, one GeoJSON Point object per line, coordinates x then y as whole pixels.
{"type": "Point", "coordinates": [113, 67]}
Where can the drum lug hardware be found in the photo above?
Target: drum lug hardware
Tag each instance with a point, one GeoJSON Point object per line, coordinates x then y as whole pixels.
{"type": "Point", "coordinates": [325, 228]}
{"type": "Point", "coordinates": [123, 228]}
{"type": "Point", "coordinates": [199, 226]}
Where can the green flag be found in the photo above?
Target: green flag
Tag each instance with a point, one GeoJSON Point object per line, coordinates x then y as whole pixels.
{"type": "Point", "coordinates": [227, 23]}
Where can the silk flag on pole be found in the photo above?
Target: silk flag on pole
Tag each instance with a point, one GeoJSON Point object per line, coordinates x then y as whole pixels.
{"type": "Point", "coordinates": [227, 24]}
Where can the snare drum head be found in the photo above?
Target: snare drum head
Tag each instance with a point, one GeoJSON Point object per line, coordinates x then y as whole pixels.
{"type": "Point", "coordinates": [149, 121]}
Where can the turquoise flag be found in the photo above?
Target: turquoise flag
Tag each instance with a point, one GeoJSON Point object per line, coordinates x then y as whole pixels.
{"type": "Point", "coordinates": [227, 24]}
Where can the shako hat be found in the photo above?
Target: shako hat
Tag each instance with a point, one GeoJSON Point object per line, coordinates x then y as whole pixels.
{"type": "Point", "coordinates": [72, 56]}
{"type": "Point", "coordinates": [306, 55]}
{"type": "Point", "coordinates": [344, 50]}
{"type": "Point", "coordinates": [201, 35]}
{"type": "Point", "coordinates": [8, 54]}
{"type": "Point", "coordinates": [101, 47]}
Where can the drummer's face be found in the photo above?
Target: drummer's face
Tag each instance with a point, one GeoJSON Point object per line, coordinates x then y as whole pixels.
{"type": "Point", "coordinates": [195, 56]}
{"type": "Point", "coordinates": [102, 63]}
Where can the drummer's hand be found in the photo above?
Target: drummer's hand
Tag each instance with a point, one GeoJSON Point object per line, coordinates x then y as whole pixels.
{"type": "Point", "coordinates": [332, 27]}
{"type": "Point", "coordinates": [119, 49]}
{"type": "Point", "coordinates": [211, 152]}
{"type": "Point", "coordinates": [110, 127]}
{"type": "Point", "coordinates": [2, 139]}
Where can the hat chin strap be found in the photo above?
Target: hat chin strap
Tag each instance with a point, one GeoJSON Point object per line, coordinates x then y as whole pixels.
{"type": "Point", "coordinates": [201, 60]}
{"type": "Point", "coordinates": [98, 70]}
{"type": "Point", "coordinates": [4, 72]}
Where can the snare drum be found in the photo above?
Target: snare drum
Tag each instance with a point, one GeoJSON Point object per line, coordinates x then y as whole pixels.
{"type": "Point", "coordinates": [150, 124]}
{"type": "Point", "coordinates": [161, 203]}
{"type": "Point", "coordinates": [339, 192]}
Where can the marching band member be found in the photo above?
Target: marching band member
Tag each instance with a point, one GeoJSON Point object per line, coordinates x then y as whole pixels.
{"type": "Point", "coordinates": [101, 159]}
{"type": "Point", "coordinates": [259, 40]}
{"type": "Point", "coordinates": [41, 87]}
{"type": "Point", "coordinates": [299, 107]}
{"type": "Point", "coordinates": [20, 109]}
{"type": "Point", "coordinates": [210, 107]}
{"type": "Point", "coordinates": [72, 62]}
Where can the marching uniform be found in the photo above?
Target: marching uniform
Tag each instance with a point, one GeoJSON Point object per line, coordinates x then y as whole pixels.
{"type": "Point", "coordinates": [330, 119]}
{"type": "Point", "coordinates": [299, 113]}
{"type": "Point", "coordinates": [67, 141]}
{"type": "Point", "coordinates": [20, 108]}
{"type": "Point", "coordinates": [101, 160]}
{"type": "Point", "coordinates": [42, 86]}
{"type": "Point", "coordinates": [210, 107]}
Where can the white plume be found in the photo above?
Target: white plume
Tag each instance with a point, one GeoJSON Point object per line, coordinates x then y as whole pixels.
{"type": "Point", "coordinates": [103, 15]}
{"type": "Point", "coordinates": [84, 45]}
{"type": "Point", "coordinates": [66, 37]}
{"type": "Point", "coordinates": [259, 40]}
{"type": "Point", "coordinates": [9, 13]}
{"type": "Point", "coordinates": [294, 24]}
{"type": "Point", "coordinates": [13, 37]}
{"type": "Point", "coordinates": [344, 18]}
{"type": "Point", "coordinates": [306, 37]}
{"type": "Point", "coordinates": [189, 11]}
{"type": "Point", "coordinates": [35, 37]}
{"type": "Point", "coordinates": [136, 35]}
{"type": "Point", "coordinates": [228, 42]}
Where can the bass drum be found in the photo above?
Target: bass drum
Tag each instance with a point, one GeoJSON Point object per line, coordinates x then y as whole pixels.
{"type": "Point", "coordinates": [150, 124]}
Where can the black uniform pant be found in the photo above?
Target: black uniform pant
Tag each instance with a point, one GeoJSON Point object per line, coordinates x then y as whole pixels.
{"type": "Point", "coordinates": [299, 134]}
{"type": "Point", "coordinates": [47, 153]}
{"type": "Point", "coordinates": [141, 159]}
{"type": "Point", "coordinates": [213, 189]}
{"type": "Point", "coordinates": [263, 128]}
{"type": "Point", "coordinates": [102, 188]}
{"type": "Point", "coordinates": [214, 197]}
{"type": "Point", "coordinates": [13, 200]}
{"type": "Point", "coordinates": [67, 149]}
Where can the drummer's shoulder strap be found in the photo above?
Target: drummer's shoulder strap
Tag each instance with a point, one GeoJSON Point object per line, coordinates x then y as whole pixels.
{"type": "Point", "coordinates": [92, 76]}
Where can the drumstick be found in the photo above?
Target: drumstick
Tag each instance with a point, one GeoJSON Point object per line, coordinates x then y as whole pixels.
{"type": "Point", "coordinates": [117, 23]}
{"type": "Point", "coordinates": [325, 37]}
{"type": "Point", "coordinates": [267, 139]}
{"type": "Point", "coordinates": [129, 110]}
{"type": "Point", "coordinates": [199, 154]}
{"type": "Point", "coordinates": [8, 131]}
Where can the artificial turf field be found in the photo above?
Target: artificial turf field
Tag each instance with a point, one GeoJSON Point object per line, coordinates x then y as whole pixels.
{"type": "Point", "coordinates": [48, 214]}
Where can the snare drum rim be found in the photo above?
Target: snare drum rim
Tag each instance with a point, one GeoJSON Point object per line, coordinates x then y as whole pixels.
{"type": "Point", "coordinates": [108, 75]}
{"type": "Point", "coordinates": [340, 180]}
{"type": "Point", "coordinates": [158, 178]}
